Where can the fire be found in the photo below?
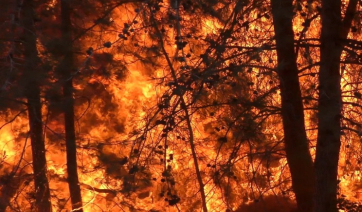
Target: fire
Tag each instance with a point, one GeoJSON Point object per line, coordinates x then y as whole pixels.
{"type": "Point", "coordinates": [135, 150]}
{"type": "Point", "coordinates": [7, 145]}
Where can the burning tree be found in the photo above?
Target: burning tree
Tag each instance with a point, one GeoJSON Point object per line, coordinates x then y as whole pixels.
{"type": "Point", "coordinates": [181, 105]}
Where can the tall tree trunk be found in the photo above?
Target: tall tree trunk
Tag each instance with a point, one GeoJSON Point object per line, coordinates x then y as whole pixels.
{"type": "Point", "coordinates": [296, 143]}
{"type": "Point", "coordinates": [334, 32]}
{"type": "Point", "coordinates": [32, 92]}
{"type": "Point", "coordinates": [42, 192]}
{"type": "Point", "coordinates": [67, 67]}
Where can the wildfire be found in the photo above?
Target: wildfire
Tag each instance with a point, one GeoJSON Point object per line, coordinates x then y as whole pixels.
{"type": "Point", "coordinates": [148, 74]}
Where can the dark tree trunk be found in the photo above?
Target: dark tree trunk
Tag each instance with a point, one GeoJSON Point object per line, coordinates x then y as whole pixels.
{"type": "Point", "coordinates": [296, 143]}
{"type": "Point", "coordinates": [334, 31]}
{"type": "Point", "coordinates": [32, 92]}
{"type": "Point", "coordinates": [42, 192]}
{"type": "Point", "coordinates": [67, 85]}
{"type": "Point", "coordinates": [329, 109]}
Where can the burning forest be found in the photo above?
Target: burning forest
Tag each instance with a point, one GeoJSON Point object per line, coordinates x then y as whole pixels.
{"type": "Point", "coordinates": [180, 105]}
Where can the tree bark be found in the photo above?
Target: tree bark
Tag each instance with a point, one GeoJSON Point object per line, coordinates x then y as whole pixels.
{"type": "Point", "coordinates": [67, 85]}
{"type": "Point", "coordinates": [334, 32]}
{"type": "Point", "coordinates": [296, 143]}
{"type": "Point", "coordinates": [32, 93]}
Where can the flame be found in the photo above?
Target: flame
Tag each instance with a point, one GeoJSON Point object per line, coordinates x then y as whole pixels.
{"type": "Point", "coordinates": [111, 110]}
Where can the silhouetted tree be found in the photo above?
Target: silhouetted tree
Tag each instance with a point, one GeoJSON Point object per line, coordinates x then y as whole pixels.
{"type": "Point", "coordinates": [32, 73]}
{"type": "Point", "coordinates": [67, 68]}
{"type": "Point", "coordinates": [335, 29]}
{"type": "Point", "coordinates": [295, 138]}
{"type": "Point", "coordinates": [334, 32]}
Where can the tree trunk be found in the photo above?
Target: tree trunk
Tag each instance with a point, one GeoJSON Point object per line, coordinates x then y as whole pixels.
{"type": "Point", "coordinates": [295, 138]}
{"type": "Point", "coordinates": [334, 32]}
{"type": "Point", "coordinates": [67, 85]}
{"type": "Point", "coordinates": [42, 192]}
{"type": "Point", "coordinates": [32, 92]}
